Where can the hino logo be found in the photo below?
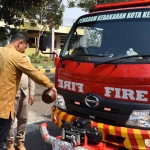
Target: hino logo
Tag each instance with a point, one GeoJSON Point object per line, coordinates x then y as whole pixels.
{"type": "Point", "coordinates": [91, 101]}
{"type": "Point", "coordinates": [138, 95]}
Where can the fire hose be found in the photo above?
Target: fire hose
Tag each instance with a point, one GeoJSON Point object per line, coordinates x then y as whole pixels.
{"type": "Point", "coordinates": [51, 139]}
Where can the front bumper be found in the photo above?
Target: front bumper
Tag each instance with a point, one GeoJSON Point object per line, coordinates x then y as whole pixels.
{"type": "Point", "coordinates": [132, 139]}
{"type": "Point", "coordinates": [59, 144]}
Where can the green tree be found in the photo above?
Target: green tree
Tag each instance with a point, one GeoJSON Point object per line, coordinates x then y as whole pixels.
{"type": "Point", "coordinates": [46, 16]}
{"type": "Point", "coordinates": [11, 10]}
{"type": "Point", "coordinates": [87, 4]}
{"type": "Point", "coordinates": [11, 13]}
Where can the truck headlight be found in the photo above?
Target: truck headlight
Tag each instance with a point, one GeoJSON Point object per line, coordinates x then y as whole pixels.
{"type": "Point", "coordinates": [60, 102]}
{"type": "Point", "coordinates": [139, 118]}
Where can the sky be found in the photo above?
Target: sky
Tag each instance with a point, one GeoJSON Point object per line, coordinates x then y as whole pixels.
{"type": "Point", "coordinates": [72, 13]}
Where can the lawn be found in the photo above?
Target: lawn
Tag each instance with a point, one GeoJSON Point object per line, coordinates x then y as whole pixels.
{"type": "Point", "coordinates": [44, 63]}
{"type": "Point", "coordinates": [41, 60]}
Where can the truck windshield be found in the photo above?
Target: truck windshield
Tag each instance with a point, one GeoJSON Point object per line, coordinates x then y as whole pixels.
{"type": "Point", "coordinates": [109, 36]}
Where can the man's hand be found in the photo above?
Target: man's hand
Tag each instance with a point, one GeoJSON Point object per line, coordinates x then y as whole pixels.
{"type": "Point", "coordinates": [55, 90]}
{"type": "Point", "coordinates": [31, 99]}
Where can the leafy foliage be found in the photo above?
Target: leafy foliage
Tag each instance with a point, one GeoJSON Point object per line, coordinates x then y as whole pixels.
{"type": "Point", "coordinates": [48, 14]}
{"type": "Point", "coordinates": [87, 4]}
{"type": "Point", "coordinates": [41, 59]}
{"type": "Point", "coordinates": [11, 10]}
{"type": "Point", "coordinates": [5, 34]}
{"type": "Point", "coordinates": [35, 59]}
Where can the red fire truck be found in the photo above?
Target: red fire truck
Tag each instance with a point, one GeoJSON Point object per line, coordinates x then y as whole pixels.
{"type": "Point", "coordinates": [103, 80]}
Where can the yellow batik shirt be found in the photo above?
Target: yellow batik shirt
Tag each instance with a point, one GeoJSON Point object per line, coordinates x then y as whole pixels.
{"type": "Point", "coordinates": [12, 65]}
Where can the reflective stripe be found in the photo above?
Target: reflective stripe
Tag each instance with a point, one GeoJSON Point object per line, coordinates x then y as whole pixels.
{"type": "Point", "coordinates": [112, 130]}
{"type": "Point", "coordinates": [124, 134]}
{"type": "Point", "coordinates": [138, 138]}
{"type": "Point", "coordinates": [134, 138]}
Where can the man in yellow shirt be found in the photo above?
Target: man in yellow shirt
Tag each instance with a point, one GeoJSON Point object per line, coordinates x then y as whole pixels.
{"type": "Point", "coordinates": [25, 95]}
{"type": "Point", "coordinates": [12, 64]}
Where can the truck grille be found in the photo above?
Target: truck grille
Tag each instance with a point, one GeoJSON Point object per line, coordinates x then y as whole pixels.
{"type": "Point", "coordinates": [100, 119]}
{"type": "Point", "coordinates": [112, 112]}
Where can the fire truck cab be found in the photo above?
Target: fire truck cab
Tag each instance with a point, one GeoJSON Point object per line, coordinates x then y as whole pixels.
{"type": "Point", "coordinates": [103, 79]}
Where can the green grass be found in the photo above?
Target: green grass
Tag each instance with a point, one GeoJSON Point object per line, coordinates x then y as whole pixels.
{"type": "Point", "coordinates": [41, 60]}
{"type": "Point", "coordinates": [44, 63]}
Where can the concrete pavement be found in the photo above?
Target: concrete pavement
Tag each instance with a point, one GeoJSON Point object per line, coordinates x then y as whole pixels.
{"type": "Point", "coordinates": [39, 112]}
{"type": "Point", "coordinates": [33, 136]}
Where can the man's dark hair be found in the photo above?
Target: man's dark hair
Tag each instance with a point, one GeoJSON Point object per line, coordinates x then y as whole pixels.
{"type": "Point", "coordinates": [19, 36]}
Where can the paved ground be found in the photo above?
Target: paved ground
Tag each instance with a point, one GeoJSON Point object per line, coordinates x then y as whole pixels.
{"type": "Point", "coordinates": [39, 113]}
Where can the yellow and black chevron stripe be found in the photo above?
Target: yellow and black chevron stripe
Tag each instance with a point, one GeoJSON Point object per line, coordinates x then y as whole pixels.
{"type": "Point", "coordinates": [39, 67]}
{"type": "Point", "coordinates": [46, 69]}
{"type": "Point", "coordinates": [130, 138]}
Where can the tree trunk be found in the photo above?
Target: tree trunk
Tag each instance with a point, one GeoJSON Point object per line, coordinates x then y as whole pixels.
{"type": "Point", "coordinates": [37, 48]}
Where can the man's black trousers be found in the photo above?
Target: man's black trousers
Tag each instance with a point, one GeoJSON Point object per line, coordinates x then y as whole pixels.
{"type": "Point", "coordinates": [5, 125]}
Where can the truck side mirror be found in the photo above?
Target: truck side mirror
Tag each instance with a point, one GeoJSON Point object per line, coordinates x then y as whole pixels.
{"type": "Point", "coordinates": [43, 42]}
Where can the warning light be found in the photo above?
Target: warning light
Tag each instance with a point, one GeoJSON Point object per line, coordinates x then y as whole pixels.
{"type": "Point", "coordinates": [77, 103]}
{"type": "Point", "coordinates": [107, 109]}
{"type": "Point", "coordinates": [132, 3]}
